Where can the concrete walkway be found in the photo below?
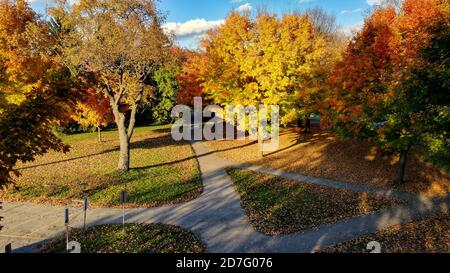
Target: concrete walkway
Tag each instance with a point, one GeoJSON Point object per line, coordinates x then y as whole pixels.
{"type": "Point", "coordinates": [216, 217]}
{"type": "Point", "coordinates": [326, 182]}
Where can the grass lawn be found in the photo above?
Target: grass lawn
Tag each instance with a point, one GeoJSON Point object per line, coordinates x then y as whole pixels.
{"type": "Point", "coordinates": [275, 205]}
{"type": "Point", "coordinates": [322, 155]}
{"type": "Point", "coordinates": [163, 172]}
{"type": "Point", "coordinates": [138, 238]}
{"type": "Point", "coordinates": [427, 236]}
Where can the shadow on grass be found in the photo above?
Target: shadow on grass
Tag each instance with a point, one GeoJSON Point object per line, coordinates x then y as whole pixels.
{"type": "Point", "coordinates": [69, 159]}
{"type": "Point", "coordinates": [191, 157]}
{"type": "Point", "coordinates": [226, 233]}
{"type": "Point", "coordinates": [322, 155]}
{"type": "Point", "coordinates": [149, 143]}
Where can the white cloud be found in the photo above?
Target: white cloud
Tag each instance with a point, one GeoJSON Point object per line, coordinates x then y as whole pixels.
{"type": "Point", "coordinates": [351, 30]}
{"type": "Point", "coordinates": [236, 1]}
{"type": "Point", "coordinates": [244, 8]}
{"type": "Point", "coordinates": [352, 11]}
{"type": "Point", "coordinates": [191, 28]}
{"type": "Point", "coordinates": [374, 2]}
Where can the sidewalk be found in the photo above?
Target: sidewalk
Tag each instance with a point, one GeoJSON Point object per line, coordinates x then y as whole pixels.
{"type": "Point", "coordinates": [216, 217]}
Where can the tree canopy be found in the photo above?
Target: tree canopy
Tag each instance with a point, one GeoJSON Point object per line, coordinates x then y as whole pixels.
{"type": "Point", "coordinates": [392, 84]}
{"type": "Point", "coordinates": [35, 90]}
{"type": "Point", "coordinates": [266, 60]}
{"type": "Point", "coordinates": [98, 61]}
{"type": "Point", "coordinates": [122, 44]}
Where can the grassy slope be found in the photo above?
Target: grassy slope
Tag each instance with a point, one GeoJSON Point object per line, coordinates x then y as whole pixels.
{"type": "Point", "coordinates": [138, 238]}
{"type": "Point", "coordinates": [276, 205]}
{"type": "Point", "coordinates": [163, 171]}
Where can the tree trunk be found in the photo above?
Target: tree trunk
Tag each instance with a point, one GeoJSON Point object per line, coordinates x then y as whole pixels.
{"type": "Point", "coordinates": [399, 180]}
{"type": "Point", "coordinates": [300, 123]}
{"type": "Point", "coordinates": [124, 158]}
{"type": "Point", "coordinates": [125, 133]}
{"type": "Point", "coordinates": [307, 125]}
{"type": "Point", "coordinates": [99, 130]}
{"type": "Point", "coordinates": [124, 141]}
{"type": "Point", "coordinates": [261, 147]}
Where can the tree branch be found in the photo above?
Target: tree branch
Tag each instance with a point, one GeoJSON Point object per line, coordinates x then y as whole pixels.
{"type": "Point", "coordinates": [121, 89]}
{"type": "Point", "coordinates": [132, 124]}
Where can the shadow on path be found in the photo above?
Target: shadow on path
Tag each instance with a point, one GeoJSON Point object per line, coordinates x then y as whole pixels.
{"type": "Point", "coordinates": [217, 218]}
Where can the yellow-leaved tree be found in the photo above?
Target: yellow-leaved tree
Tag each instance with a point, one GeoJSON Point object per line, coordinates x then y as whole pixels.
{"type": "Point", "coordinates": [267, 60]}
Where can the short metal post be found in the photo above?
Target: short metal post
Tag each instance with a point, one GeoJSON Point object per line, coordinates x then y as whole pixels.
{"type": "Point", "coordinates": [66, 222]}
{"type": "Point", "coordinates": [85, 208]}
{"type": "Point", "coordinates": [123, 200]}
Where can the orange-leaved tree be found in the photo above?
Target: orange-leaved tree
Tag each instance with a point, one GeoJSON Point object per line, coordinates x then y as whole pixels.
{"type": "Point", "coordinates": [93, 110]}
{"type": "Point", "coordinates": [360, 81]}
{"type": "Point", "coordinates": [35, 90]}
{"type": "Point", "coordinates": [191, 79]}
{"type": "Point", "coordinates": [390, 86]}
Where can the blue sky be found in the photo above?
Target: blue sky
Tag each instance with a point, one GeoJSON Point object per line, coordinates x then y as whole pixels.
{"type": "Point", "coordinates": [190, 19]}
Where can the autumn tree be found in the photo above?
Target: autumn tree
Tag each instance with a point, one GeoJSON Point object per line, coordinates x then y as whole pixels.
{"type": "Point", "coordinates": [122, 43]}
{"type": "Point", "coordinates": [397, 4]}
{"type": "Point", "coordinates": [93, 110]}
{"type": "Point", "coordinates": [267, 60]}
{"type": "Point", "coordinates": [363, 75]}
{"type": "Point", "coordinates": [335, 42]}
{"type": "Point", "coordinates": [418, 110]}
{"type": "Point", "coordinates": [191, 78]}
{"type": "Point", "coordinates": [35, 90]}
{"type": "Point", "coordinates": [391, 83]}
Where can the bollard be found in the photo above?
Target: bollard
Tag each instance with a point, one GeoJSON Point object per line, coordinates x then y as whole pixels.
{"type": "Point", "coordinates": [123, 200]}
{"type": "Point", "coordinates": [66, 222]}
{"type": "Point", "coordinates": [85, 208]}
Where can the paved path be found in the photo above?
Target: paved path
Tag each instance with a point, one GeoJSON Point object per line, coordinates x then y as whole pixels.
{"type": "Point", "coordinates": [326, 182]}
{"type": "Point", "coordinates": [216, 217]}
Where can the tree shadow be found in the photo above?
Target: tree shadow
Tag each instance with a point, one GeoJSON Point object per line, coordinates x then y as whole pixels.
{"type": "Point", "coordinates": [116, 149]}
{"type": "Point", "coordinates": [325, 156]}
{"type": "Point", "coordinates": [149, 143]}
{"type": "Point", "coordinates": [165, 140]}
{"type": "Point", "coordinates": [302, 138]}
{"type": "Point", "coordinates": [218, 224]}
{"type": "Point", "coordinates": [191, 157]}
